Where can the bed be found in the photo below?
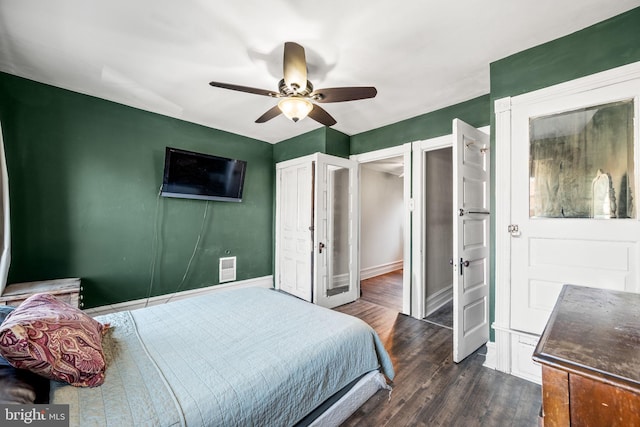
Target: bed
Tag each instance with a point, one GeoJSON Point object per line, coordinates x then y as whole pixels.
{"type": "Point", "coordinates": [241, 357]}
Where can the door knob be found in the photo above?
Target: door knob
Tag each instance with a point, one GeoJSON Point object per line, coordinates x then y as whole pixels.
{"type": "Point", "coordinates": [320, 247]}
{"type": "Point", "coordinates": [464, 263]}
{"type": "Point", "coordinates": [450, 261]}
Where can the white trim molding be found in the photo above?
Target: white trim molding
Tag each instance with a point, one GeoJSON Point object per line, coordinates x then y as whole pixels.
{"type": "Point", "coordinates": [378, 270]}
{"type": "Point", "coordinates": [490, 357]}
{"type": "Point", "coordinates": [260, 282]}
{"type": "Point", "coordinates": [502, 292]}
{"type": "Point", "coordinates": [439, 299]}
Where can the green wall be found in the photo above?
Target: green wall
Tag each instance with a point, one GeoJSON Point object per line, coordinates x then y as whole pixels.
{"type": "Point", "coordinates": [605, 45]}
{"type": "Point", "coordinates": [84, 176]}
{"type": "Point", "coordinates": [321, 140]}
{"type": "Point", "coordinates": [298, 146]}
{"type": "Point", "coordinates": [431, 125]}
{"type": "Point", "coordinates": [608, 44]}
{"type": "Point", "coordinates": [337, 143]}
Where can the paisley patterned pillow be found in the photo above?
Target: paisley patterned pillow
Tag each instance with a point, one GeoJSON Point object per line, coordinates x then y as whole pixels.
{"type": "Point", "coordinates": [20, 386]}
{"type": "Point", "coordinates": [54, 339]}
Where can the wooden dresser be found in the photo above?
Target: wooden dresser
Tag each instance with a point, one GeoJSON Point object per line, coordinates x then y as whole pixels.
{"type": "Point", "coordinates": [590, 356]}
{"type": "Point", "coordinates": [67, 290]}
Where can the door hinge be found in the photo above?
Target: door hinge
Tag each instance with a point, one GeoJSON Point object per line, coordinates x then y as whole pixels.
{"type": "Point", "coordinates": [513, 229]}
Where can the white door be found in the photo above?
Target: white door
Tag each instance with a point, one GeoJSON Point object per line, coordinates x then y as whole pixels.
{"type": "Point", "coordinates": [316, 229]}
{"type": "Point", "coordinates": [294, 221]}
{"type": "Point", "coordinates": [573, 198]}
{"type": "Point", "coordinates": [336, 232]}
{"type": "Point", "coordinates": [471, 202]}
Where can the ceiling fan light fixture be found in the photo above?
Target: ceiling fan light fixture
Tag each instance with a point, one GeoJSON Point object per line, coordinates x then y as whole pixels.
{"type": "Point", "coordinates": [295, 108]}
{"type": "Point", "coordinates": [297, 97]}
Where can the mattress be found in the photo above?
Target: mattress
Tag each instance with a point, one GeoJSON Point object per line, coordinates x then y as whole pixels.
{"type": "Point", "coordinates": [241, 357]}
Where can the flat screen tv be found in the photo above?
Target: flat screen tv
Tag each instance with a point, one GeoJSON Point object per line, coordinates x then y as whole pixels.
{"type": "Point", "coordinates": [190, 175]}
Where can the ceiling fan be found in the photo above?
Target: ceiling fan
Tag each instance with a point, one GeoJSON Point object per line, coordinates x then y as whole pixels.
{"type": "Point", "coordinates": [297, 97]}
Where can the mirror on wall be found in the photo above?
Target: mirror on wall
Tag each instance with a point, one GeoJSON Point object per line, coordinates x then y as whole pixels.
{"type": "Point", "coordinates": [338, 229]}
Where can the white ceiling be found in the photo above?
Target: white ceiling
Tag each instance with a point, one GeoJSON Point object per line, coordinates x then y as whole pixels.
{"type": "Point", "coordinates": [159, 55]}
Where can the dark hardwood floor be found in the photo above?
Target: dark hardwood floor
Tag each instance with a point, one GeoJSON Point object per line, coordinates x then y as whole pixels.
{"type": "Point", "coordinates": [442, 316]}
{"type": "Point", "coordinates": [429, 389]}
{"type": "Point", "coordinates": [384, 290]}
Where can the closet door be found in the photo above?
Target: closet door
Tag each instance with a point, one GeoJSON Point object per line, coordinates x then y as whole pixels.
{"type": "Point", "coordinates": [316, 229]}
{"type": "Point", "coordinates": [294, 228]}
{"type": "Point", "coordinates": [336, 214]}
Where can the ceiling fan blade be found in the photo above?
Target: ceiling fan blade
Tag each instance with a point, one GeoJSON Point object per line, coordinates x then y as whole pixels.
{"type": "Point", "coordinates": [294, 66]}
{"type": "Point", "coordinates": [245, 89]}
{"type": "Point", "coordinates": [270, 114]}
{"type": "Point", "coordinates": [340, 94]}
{"type": "Point", "coordinates": [321, 116]}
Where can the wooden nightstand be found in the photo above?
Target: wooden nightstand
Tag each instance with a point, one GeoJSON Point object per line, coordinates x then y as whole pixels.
{"type": "Point", "coordinates": [67, 290]}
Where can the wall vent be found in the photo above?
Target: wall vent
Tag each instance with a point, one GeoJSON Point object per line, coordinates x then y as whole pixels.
{"type": "Point", "coordinates": [227, 269]}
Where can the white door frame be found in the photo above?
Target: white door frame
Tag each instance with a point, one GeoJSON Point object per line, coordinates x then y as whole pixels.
{"type": "Point", "coordinates": [418, 229]}
{"type": "Point", "coordinates": [418, 234]}
{"type": "Point", "coordinates": [503, 351]}
{"type": "Point", "coordinates": [386, 153]}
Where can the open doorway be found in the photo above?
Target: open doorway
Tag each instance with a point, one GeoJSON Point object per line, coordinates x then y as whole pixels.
{"type": "Point", "coordinates": [450, 235]}
{"type": "Point", "coordinates": [382, 232]}
{"type": "Point", "coordinates": [438, 235]}
{"type": "Point", "coordinates": [432, 230]}
{"type": "Point", "coordinates": [385, 227]}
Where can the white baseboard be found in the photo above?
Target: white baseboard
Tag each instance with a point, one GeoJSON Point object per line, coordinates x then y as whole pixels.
{"type": "Point", "coordinates": [522, 365]}
{"type": "Point", "coordinates": [490, 358]}
{"type": "Point", "coordinates": [512, 353]}
{"type": "Point", "coordinates": [437, 300]}
{"type": "Point", "coordinates": [369, 272]}
{"type": "Point", "coordinates": [262, 282]}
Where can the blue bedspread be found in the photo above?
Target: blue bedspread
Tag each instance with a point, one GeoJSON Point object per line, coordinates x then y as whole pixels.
{"type": "Point", "coordinates": [233, 358]}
